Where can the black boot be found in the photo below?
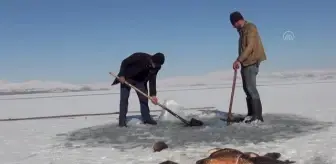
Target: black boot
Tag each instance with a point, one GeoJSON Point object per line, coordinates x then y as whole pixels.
{"type": "Point", "coordinates": [122, 122]}
{"type": "Point", "coordinates": [150, 121]}
{"type": "Point", "coordinates": [145, 114]}
{"type": "Point", "coordinates": [250, 111]}
{"type": "Point", "coordinates": [122, 119]}
{"type": "Point", "coordinates": [249, 106]}
{"type": "Point", "coordinates": [256, 111]}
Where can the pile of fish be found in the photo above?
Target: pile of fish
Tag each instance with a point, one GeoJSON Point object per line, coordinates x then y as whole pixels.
{"type": "Point", "coordinates": [230, 156]}
{"type": "Point", "coordinates": [234, 156]}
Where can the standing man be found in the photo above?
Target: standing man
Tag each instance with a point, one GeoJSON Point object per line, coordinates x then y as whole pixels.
{"type": "Point", "coordinates": [251, 54]}
{"type": "Point", "coordinates": [138, 69]}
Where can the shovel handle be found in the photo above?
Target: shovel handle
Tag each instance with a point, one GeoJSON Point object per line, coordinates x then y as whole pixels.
{"type": "Point", "coordinates": [135, 88]}
{"type": "Point", "coordinates": [162, 106]}
{"type": "Point", "coordinates": [232, 96]}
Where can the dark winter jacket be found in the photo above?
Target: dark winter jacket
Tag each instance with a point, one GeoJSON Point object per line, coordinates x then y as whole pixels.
{"type": "Point", "coordinates": [141, 67]}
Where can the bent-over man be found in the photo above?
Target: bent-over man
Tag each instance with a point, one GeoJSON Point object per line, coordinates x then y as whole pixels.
{"type": "Point", "coordinates": [251, 54]}
{"type": "Point", "coordinates": [138, 69]}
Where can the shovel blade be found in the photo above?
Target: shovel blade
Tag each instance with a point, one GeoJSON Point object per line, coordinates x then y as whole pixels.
{"type": "Point", "coordinates": [195, 122]}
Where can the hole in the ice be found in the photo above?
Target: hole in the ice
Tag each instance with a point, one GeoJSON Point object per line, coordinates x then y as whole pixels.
{"type": "Point", "coordinates": [275, 127]}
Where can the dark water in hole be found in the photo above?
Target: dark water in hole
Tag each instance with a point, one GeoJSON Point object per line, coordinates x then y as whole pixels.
{"type": "Point", "coordinates": [275, 127]}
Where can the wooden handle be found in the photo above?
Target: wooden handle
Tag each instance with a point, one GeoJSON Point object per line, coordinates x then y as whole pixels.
{"type": "Point", "coordinates": [232, 96]}
{"type": "Point", "coordinates": [135, 88]}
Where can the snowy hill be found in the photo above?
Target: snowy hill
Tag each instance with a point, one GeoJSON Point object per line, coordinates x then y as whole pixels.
{"type": "Point", "coordinates": [225, 78]}
{"type": "Point", "coordinates": [36, 86]}
{"type": "Point", "coordinates": [214, 78]}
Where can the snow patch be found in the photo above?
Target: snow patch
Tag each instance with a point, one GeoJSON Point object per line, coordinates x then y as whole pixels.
{"type": "Point", "coordinates": [134, 122]}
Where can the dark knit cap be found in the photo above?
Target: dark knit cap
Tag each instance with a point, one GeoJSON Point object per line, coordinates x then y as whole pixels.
{"type": "Point", "coordinates": [158, 58]}
{"type": "Point", "coordinates": [235, 17]}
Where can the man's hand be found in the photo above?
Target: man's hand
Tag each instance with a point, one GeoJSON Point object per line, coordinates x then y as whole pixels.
{"type": "Point", "coordinates": [236, 65]}
{"type": "Point", "coordinates": [154, 100]}
{"type": "Point", "coordinates": [122, 79]}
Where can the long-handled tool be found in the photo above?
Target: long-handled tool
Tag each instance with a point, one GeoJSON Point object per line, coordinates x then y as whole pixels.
{"type": "Point", "coordinates": [192, 122]}
{"type": "Point", "coordinates": [232, 96]}
{"type": "Point", "coordinates": [230, 118]}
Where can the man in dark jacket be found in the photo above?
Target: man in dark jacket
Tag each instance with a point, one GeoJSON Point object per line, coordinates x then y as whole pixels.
{"type": "Point", "coordinates": [138, 69]}
{"type": "Point", "coordinates": [251, 54]}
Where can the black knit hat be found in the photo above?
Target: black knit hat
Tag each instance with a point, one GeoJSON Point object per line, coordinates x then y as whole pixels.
{"type": "Point", "coordinates": [158, 58]}
{"type": "Point", "coordinates": [235, 17]}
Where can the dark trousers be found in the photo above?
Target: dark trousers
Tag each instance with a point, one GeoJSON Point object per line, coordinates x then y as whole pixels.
{"type": "Point", "coordinates": [249, 79]}
{"type": "Point", "coordinates": [124, 95]}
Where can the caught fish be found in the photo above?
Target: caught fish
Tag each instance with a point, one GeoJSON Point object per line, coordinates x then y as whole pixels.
{"type": "Point", "coordinates": [234, 156]}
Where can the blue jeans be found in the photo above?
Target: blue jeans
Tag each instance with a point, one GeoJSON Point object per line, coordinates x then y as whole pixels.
{"type": "Point", "coordinates": [249, 79]}
{"type": "Point", "coordinates": [124, 96]}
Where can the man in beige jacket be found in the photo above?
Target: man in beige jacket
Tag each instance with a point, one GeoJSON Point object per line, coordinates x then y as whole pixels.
{"type": "Point", "coordinates": [251, 54]}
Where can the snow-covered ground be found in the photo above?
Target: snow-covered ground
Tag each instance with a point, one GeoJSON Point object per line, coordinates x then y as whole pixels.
{"type": "Point", "coordinates": [299, 113]}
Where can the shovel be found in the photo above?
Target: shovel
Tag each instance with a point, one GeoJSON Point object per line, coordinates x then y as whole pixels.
{"type": "Point", "coordinates": [192, 122]}
{"type": "Point", "coordinates": [230, 118]}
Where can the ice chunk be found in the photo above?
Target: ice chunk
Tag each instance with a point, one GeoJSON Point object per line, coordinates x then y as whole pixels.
{"type": "Point", "coordinates": [173, 106]}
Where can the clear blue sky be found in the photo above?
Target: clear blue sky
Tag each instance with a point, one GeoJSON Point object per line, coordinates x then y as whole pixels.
{"type": "Point", "coordinates": [80, 41]}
